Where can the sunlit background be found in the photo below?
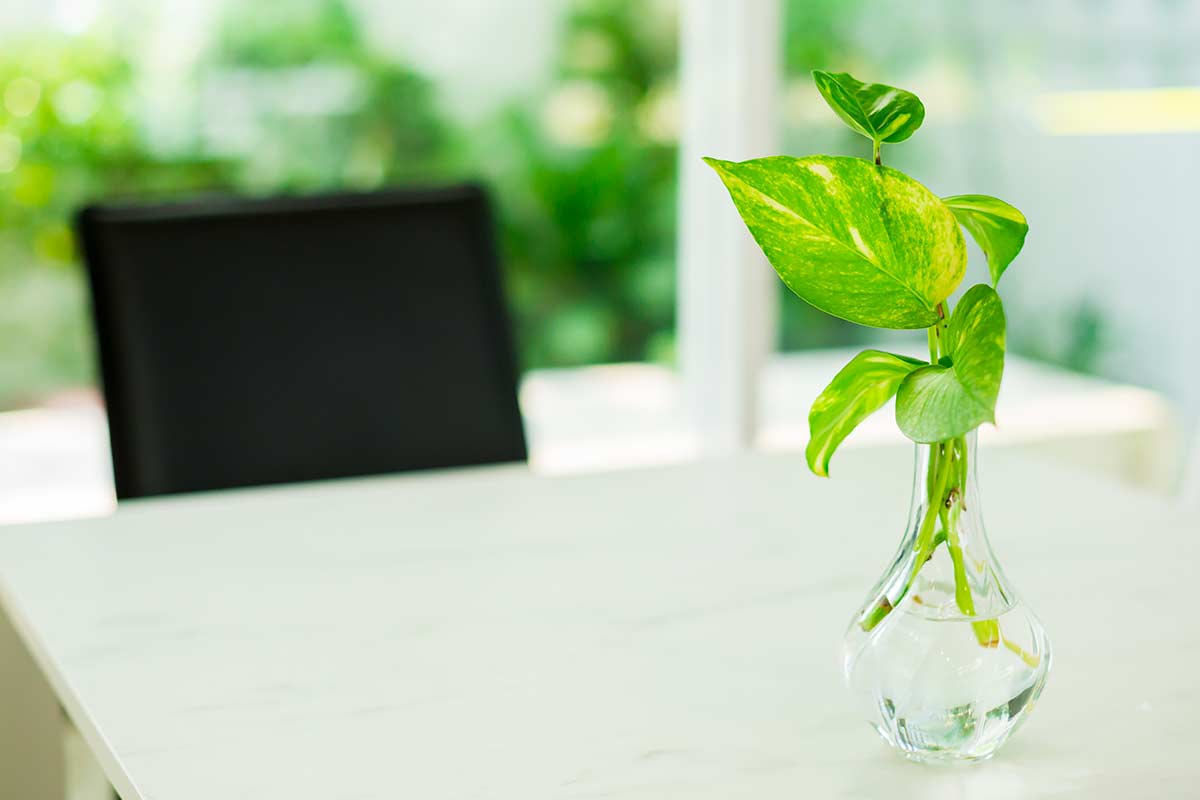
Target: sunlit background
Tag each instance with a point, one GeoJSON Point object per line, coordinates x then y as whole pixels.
{"type": "Point", "coordinates": [1083, 113]}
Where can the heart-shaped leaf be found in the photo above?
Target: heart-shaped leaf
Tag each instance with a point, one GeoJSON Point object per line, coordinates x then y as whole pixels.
{"type": "Point", "coordinates": [856, 392]}
{"type": "Point", "coordinates": [861, 242]}
{"type": "Point", "coordinates": [939, 402]}
{"type": "Point", "coordinates": [997, 227]}
{"type": "Point", "coordinates": [879, 112]}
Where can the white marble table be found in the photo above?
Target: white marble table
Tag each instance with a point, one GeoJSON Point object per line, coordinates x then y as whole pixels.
{"type": "Point", "coordinates": [665, 633]}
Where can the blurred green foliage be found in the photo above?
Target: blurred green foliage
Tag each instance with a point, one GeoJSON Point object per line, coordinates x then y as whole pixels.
{"type": "Point", "coordinates": [67, 132]}
{"type": "Point", "coordinates": [294, 97]}
{"type": "Point", "coordinates": [585, 178]}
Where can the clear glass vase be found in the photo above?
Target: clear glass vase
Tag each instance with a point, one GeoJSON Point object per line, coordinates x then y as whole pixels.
{"type": "Point", "coordinates": [944, 657]}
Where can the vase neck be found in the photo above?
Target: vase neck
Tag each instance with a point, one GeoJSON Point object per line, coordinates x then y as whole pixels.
{"type": "Point", "coordinates": [954, 569]}
{"type": "Point", "coordinates": [956, 465]}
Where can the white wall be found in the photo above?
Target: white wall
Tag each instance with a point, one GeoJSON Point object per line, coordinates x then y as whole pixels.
{"type": "Point", "coordinates": [1115, 218]}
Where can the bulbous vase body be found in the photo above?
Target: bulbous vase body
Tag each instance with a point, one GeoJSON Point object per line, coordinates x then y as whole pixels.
{"type": "Point", "coordinates": [944, 658]}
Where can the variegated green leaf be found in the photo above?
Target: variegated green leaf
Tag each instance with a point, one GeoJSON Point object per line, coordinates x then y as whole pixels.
{"type": "Point", "coordinates": [938, 402]}
{"type": "Point", "coordinates": [976, 343]}
{"type": "Point", "coordinates": [997, 227]}
{"type": "Point", "coordinates": [932, 406]}
{"type": "Point", "coordinates": [879, 112]}
{"type": "Point", "coordinates": [856, 392]}
{"type": "Point", "coordinates": [861, 242]}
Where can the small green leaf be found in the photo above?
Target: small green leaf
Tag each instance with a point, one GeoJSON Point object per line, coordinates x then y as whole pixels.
{"type": "Point", "coordinates": [976, 341]}
{"type": "Point", "coordinates": [935, 402]}
{"type": "Point", "coordinates": [856, 392]}
{"type": "Point", "coordinates": [997, 227]}
{"type": "Point", "coordinates": [880, 113]}
{"type": "Point", "coordinates": [932, 406]}
{"type": "Point", "coordinates": [864, 243]}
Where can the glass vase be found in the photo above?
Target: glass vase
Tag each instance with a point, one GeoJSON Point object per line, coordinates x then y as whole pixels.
{"type": "Point", "coordinates": [945, 659]}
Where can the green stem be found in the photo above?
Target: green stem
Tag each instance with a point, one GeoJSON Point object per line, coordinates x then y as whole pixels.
{"type": "Point", "coordinates": [924, 544]}
{"type": "Point", "coordinates": [987, 632]}
{"type": "Point", "coordinates": [961, 444]}
{"type": "Point", "coordinates": [941, 328]}
{"type": "Point", "coordinates": [1028, 658]}
{"type": "Point", "coordinates": [878, 152]}
{"type": "Point", "coordinates": [931, 471]}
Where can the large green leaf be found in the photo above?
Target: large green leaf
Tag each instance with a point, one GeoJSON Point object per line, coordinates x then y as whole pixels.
{"type": "Point", "coordinates": [861, 242]}
{"type": "Point", "coordinates": [997, 227]}
{"type": "Point", "coordinates": [856, 392]}
{"type": "Point", "coordinates": [879, 112]}
{"type": "Point", "coordinates": [939, 402]}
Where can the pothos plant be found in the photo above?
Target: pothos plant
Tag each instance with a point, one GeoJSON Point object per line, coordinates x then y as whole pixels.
{"type": "Point", "coordinates": [869, 244]}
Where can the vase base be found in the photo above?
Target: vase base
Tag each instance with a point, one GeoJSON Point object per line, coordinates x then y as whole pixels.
{"type": "Point", "coordinates": [947, 760]}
